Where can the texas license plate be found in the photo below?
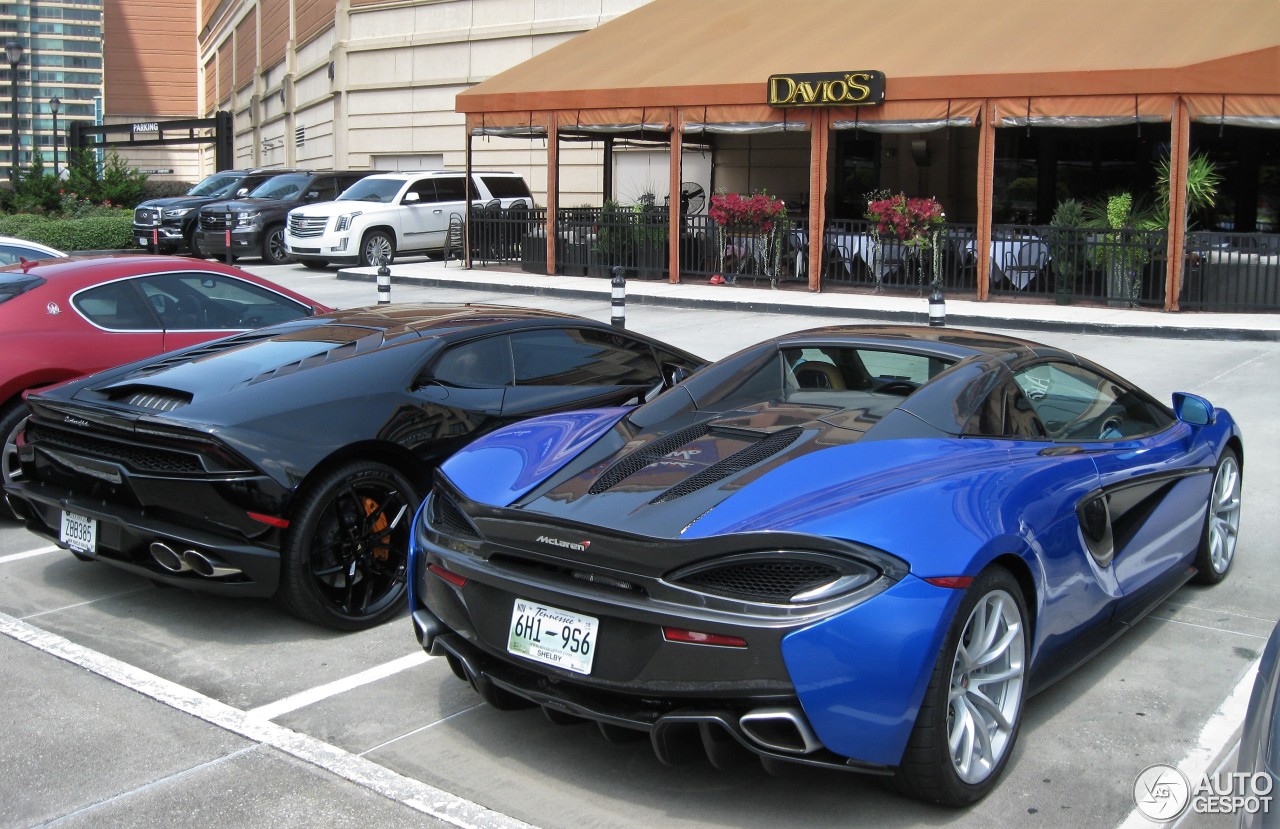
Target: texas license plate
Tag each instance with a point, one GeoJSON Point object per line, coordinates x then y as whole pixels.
{"type": "Point", "coordinates": [552, 636]}
{"type": "Point", "coordinates": [79, 533]}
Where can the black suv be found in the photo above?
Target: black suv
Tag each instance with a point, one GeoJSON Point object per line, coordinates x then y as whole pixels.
{"type": "Point", "coordinates": [256, 221]}
{"type": "Point", "coordinates": [167, 225]}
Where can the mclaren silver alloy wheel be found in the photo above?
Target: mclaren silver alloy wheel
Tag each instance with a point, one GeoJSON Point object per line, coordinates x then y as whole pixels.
{"type": "Point", "coordinates": [1224, 514]}
{"type": "Point", "coordinates": [986, 686]}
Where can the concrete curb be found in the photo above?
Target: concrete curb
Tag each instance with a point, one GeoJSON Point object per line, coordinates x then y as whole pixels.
{"type": "Point", "coordinates": [757, 304]}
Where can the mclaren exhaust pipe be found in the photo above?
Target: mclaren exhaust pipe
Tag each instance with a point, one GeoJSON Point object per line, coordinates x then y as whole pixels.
{"type": "Point", "coordinates": [206, 565]}
{"type": "Point", "coordinates": [780, 729]}
{"type": "Point", "coordinates": [168, 558]}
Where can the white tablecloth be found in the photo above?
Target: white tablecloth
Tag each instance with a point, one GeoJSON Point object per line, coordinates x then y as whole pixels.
{"type": "Point", "coordinates": [853, 247]}
{"type": "Point", "coordinates": [1003, 249]}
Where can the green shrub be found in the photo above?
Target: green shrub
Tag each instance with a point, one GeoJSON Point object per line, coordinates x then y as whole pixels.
{"type": "Point", "coordinates": [34, 190]}
{"type": "Point", "coordinates": [121, 184]}
{"type": "Point", "coordinates": [103, 232]}
{"type": "Point", "coordinates": [152, 189]}
{"type": "Point", "coordinates": [118, 184]}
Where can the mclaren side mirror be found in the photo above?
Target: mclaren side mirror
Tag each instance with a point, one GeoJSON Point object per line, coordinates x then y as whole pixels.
{"type": "Point", "coordinates": [1193, 409]}
{"type": "Point", "coordinates": [676, 374]}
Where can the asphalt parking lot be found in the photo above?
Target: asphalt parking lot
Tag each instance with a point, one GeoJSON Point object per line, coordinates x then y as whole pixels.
{"type": "Point", "coordinates": [131, 705]}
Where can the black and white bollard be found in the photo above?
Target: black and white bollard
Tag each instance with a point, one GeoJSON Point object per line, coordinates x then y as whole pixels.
{"type": "Point", "coordinates": [937, 306]}
{"type": "Point", "coordinates": [230, 219]}
{"type": "Point", "coordinates": [619, 300]}
{"type": "Point", "coordinates": [384, 283]}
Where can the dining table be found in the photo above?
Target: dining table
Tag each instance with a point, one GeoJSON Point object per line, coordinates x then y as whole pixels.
{"type": "Point", "coordinates": [851, 248]}
{"type": "Point", "coordinates": [1009, 250]}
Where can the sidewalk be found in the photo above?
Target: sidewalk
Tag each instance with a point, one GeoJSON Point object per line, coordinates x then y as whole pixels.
{"type": "Point", "coordinates": [1083, 319]}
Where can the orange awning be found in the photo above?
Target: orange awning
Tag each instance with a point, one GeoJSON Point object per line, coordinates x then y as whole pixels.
{"type": "Point", "coordinates": [695, 53]}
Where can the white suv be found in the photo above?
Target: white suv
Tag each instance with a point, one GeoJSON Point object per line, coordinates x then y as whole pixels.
{"type": "Point", "coordinates": [389, 213]}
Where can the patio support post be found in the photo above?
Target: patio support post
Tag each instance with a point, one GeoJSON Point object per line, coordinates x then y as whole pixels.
{"type": "Point", "coordinates": [553, 186]}
{"type": "Point", "coordinates": [819, 142]}
{"type": "Point", "coordinates": [986, 189]}
{"type": "Point", "coordinates": [607, 189]}
{"type": "Point", "coordinates": [468, 189]}
{"type": "Point", "coordinates": [1179, 160]}
{"type": "Point", "coordinates": [675, 217]}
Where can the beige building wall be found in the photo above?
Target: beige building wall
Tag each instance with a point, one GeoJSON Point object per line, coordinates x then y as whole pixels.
{"type": "Point", "coordinates": [370, 84]}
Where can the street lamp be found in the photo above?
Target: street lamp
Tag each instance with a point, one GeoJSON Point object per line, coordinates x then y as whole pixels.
{"type": "Point", "coordinates": [13, 51]}
{"type": "Point", "coordinates": [54, 103]}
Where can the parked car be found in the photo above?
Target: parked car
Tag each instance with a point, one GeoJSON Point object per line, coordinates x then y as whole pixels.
{"type": "Point", "coordinates": [63, 318]}
{"type": "Point", "coordinates": [390, 214]}
{"type": "Point", "coordinates": [13, 249]}
{"type": "Point", "coordinates": [1259, 762]}
{"type": "Point", "coordinates": [288, 462]}
{"type": "Point", "coordinates": [855, 548]}
{"type": "Point", "coordinates": [256, 221]}
{"type": "Point", "coordinates": [168, 225]}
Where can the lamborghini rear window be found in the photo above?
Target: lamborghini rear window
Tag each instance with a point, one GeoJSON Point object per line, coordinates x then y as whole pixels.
{"type": "Point", "coordinates": [13, 283]}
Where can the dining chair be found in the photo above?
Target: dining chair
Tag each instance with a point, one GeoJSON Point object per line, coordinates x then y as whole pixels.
{"type": "Point", "coordinates": [838, 260]}
{"type": "Point", "coordinates": [453, 240]}
{"type": "Point", "coordinates": [1025, 264]}
{"type": "Point", "coordinates": [797, 252]}
{"type": "Point", "coordinates": [891, 261]}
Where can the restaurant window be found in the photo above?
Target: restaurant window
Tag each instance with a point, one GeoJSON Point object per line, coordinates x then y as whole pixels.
{"type": "Point", "coordinates": [857, 172]}
{"type": "Point", "coordinates": [1248, 160]}
{"type": "Point", "coordinates": [1036, 169]}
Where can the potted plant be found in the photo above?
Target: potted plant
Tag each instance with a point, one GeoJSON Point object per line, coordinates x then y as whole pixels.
{"type": "Point", "coordinates": [749, 227]}
{"type": "Point", "coordinates": [1125, 248]}
{"type": "Point", "coordinates": [917, 224]}
{"type": "Point", "coordinates": [650, 238]}
{"type": "Point", "coordinates": [1065, 249]}
{"type": "Point", "coordinates": [615, 241]}
{"type": "Point", "coordinates": [1120, 251]}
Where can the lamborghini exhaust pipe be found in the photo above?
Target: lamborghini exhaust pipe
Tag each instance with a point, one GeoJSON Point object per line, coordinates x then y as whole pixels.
{"type": "Point", "coordinates": [168, 558]}
{"type": "Point", "coordinates": [206, 565]}
{"type": "Point", "coordinates": [195, 561]}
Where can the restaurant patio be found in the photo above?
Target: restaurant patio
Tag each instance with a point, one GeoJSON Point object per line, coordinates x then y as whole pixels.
{"type": "Point", "coordinates": [999, 120]}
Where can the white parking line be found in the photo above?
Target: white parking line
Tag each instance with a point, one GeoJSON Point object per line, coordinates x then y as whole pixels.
{"type": "Point", "coordinates": [415, 794]}
{"type": "Point", "coordinates": [1219, 732]}
{"type": "Point", "coordinates": [28, 554]}
{"type": "Point", "coordinates": [314, 695]}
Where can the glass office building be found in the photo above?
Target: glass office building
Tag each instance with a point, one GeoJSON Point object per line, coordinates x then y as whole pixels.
{"type": "Point", "coordinates": [61, 59]}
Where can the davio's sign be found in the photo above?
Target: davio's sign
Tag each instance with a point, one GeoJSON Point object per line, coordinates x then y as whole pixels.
{"type": "Point", "coordinates": [827, 89]}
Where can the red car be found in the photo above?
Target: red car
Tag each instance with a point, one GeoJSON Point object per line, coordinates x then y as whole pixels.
{"type": "Point", "coordinates": [61, 318]}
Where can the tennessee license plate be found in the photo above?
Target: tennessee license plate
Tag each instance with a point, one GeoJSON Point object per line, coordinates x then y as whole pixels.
{"type": "Point", "coordinates": [552, 636]}
{"type": "Point", "coordinates": [79, 533]}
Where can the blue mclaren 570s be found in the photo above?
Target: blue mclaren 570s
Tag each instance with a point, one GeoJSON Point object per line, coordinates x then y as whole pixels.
{"type": "Point", "coordinates": [861, 548]}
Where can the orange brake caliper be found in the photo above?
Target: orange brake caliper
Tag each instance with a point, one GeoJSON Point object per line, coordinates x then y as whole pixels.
{"type": "Point", "coordinates": [380, 551]}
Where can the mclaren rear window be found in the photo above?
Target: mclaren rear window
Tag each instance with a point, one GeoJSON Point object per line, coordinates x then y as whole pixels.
{"type": "Point", "coordinates": [13, 283]}
{"type": "Point", "coordinates": [836, 377]}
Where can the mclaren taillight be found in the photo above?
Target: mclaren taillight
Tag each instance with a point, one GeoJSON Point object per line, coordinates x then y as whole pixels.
{"type": "Point", "coordinates": [452, 578]}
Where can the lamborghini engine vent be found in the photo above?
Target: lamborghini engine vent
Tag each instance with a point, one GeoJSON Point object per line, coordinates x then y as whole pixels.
{"type": "Point", "coordinates": [645, 455]}
{"type": "Point", "coordinates": [156, 400]}
{"type": "Point", "coordinates": [735, 463]}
